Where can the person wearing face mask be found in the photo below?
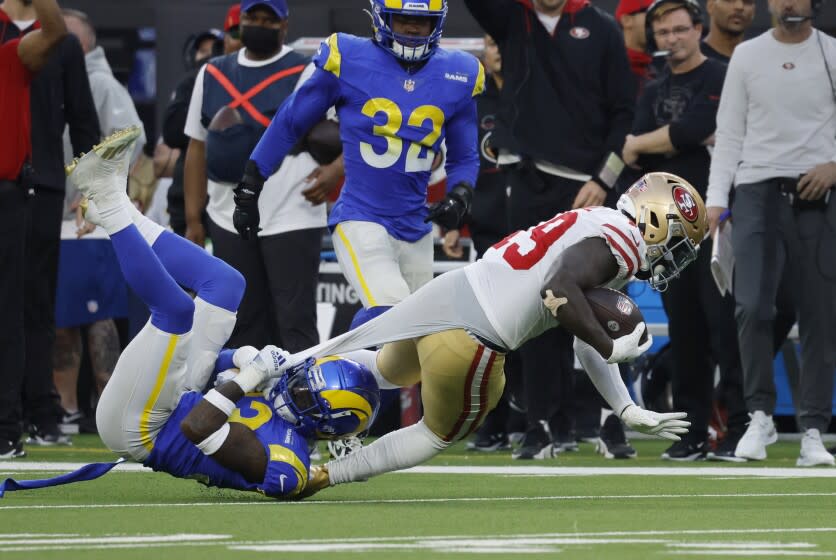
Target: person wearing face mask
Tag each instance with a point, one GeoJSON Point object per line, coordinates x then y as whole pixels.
{"type": "Point", "coordinates": [234, 98]}
{"type": "Point", "coordinates": [174, 120]}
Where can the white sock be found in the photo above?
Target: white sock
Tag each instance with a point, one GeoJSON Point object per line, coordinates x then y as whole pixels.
{"type": "Point", "coordinates": [113, 215]}
{"type": "Point", "coordinates": [396, 450]}
{"type": "Point", "coordinates": [149, 229]}
{"type": "Point", "coordinates": [368, 358]}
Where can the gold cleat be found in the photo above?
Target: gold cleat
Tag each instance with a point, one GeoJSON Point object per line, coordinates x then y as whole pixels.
{"type": "Point", "coordinates": [111, 147]}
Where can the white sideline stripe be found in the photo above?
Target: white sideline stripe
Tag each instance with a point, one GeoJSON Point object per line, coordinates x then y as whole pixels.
{"type": "Point", "coordinates": [139, 539]}
{"type": "Point", "coordinates": [756, 472]}
{"type": "Point", "coordinates": [652, 533]}
{"type": "Point", "coordinates": [631, 471]}
{"type": "Point", "coordinates": [44, 466]}
{"type": "Point", "coordinates": [746, 552]}
{"type": "Point", "coordinates": [427, 500]}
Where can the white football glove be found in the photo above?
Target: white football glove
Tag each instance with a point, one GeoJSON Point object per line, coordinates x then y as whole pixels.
{"type": "Point", "coordinates": [627, 347]}
{"type": "Point", "coordinates": [244, 355]}
{"type": "Point", "coordinates": [268, 364]}
{"type": "Point", "coordinates": [664, 425]}
{"type": "Point", "coordinates": [272, 360]}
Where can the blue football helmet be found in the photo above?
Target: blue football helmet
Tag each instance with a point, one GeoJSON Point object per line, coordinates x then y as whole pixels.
{"type": "Point", "coordinates": [404, 47]}
{"type": "Point", "coordinates": [329, 398]}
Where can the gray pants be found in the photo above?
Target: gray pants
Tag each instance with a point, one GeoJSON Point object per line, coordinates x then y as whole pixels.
{"type": "Point", "coordinates": [782, 253]}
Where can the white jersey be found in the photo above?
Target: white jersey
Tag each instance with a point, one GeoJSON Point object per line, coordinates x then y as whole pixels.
{"type": "Point", "coordinates": [497, 298]}
{"type": "Point", "coordinates": [508, 280]}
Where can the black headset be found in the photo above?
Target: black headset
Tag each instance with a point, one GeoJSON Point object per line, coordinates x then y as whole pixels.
{"type": "Point", "coordinates": [692, 6]}
{"type": "Point", "coordinates": [193, 42]}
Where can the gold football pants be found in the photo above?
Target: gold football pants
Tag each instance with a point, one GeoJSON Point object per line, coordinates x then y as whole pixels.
{"type": "Point", "coordinates": [461, 380]}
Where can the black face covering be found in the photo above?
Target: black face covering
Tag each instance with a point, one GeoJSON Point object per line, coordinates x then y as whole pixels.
{"type": "Point", "coordinates": [262, 41]}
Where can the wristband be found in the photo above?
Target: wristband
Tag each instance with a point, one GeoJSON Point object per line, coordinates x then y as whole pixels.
{"type": "Point", "coordinates": [610, 171]}
{"type": "Point", "coordinates": [219, 401]}
{"type": "Point", "coordinates": [211, 444]}
{"type": "Point", "coordinates": [249, 378]}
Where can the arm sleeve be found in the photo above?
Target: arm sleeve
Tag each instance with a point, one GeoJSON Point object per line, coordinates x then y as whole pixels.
{"type": "Point", "coordinates": [492, 16]}
{"type": "Point", "coordinates": [462, 146]}
{"type": "Point", "coordinates": [174, 121]}
{"type": "Point", "coordinates": [79, 108]}
{"type": "Point", "coordinates": [699, 121]}
{"type": "Point", "coordinates": [621, 88]}
{"type": "Point", "coordinates": [606, 377]}
{"type": "Point", "coordinates": [731, 127]}
{"type": "Point", "coordinates": [303, 109]}
{"type": "Point", "coordinates": [286, 474]}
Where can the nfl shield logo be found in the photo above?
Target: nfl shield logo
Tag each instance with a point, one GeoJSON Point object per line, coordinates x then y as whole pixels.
{"type": "Point", "coordinates": [624, 305]}
{"type": "Point", "coordinates": [409, 85]}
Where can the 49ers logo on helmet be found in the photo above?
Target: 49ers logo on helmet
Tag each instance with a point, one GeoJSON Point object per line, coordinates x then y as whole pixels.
{"type": "Point", "coordinates": [686, 204]}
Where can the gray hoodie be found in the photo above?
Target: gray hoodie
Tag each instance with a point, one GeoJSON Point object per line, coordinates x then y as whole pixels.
{"type": "Point", "coordinates": [114, 107]}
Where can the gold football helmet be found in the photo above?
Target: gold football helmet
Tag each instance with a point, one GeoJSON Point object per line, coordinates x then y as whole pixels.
{"type": "Point", "coordinates": [671, 216]}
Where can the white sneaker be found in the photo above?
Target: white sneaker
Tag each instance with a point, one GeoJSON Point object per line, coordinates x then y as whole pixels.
{"type": "Point", "coordinates": [95, 173]}
{"type": "Point", "coordinates": [760, 433]}
{"type": "Point", "coordinates": [813, 452]}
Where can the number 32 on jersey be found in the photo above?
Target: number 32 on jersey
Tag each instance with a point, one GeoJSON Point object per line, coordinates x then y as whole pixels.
{"type": "Point", "coordinates": [415, 162]}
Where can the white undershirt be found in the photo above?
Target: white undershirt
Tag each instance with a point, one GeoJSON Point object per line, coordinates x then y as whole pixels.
{"type": "Point", "coordinates": [281, 205]}
{"type": "Point", "coordinates": [549, 22]}
{"type": "Point", "coordinates": [777, 115]}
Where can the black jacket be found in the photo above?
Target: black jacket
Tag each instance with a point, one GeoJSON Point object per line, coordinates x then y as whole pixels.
{"type": "Point", "coordinates": [688, 103]}
{"type": "Point", "coordinates": [174, 135]}
{"type": "Point", "coordinates": [60, 96]}
{"type": "Point", "coordinates": [579, 108]}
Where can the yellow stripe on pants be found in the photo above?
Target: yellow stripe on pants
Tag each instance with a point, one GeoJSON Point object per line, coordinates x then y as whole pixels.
{"type": "Point", "coordinates": [363, 285]}
{"type": "Point", "coordinates": [144, 436]}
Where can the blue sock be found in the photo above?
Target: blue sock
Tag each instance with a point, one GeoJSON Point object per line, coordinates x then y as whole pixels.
{"type": "Point", "coordinates": [209, 277]}
{"type": "Point", "coordinates": [171, 308]}
{"type": "Point", "coordinates": [366, 315]}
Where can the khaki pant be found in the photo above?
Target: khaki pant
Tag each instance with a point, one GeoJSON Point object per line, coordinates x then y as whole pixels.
{"type": "Point", "coordinates": [461, 380]}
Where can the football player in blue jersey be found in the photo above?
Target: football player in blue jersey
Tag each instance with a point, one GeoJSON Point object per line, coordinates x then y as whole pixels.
{"type": "Point", "coordinates": [249, 432]}
{"type": "Point", "coordinates": [398, 97]}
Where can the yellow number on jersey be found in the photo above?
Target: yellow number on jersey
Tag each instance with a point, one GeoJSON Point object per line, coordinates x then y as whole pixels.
{"type": "Point", "coordinates": [258, 414]}
{"type": "Point", "coordinates": [394, 145]}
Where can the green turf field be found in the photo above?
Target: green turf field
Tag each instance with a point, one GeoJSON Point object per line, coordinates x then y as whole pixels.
{"type": "Point", "coordinates": [459, 505]}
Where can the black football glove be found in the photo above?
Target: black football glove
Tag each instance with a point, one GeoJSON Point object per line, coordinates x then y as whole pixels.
{"type": "Point", "coordinates": [452, 211]}
{"type": "Point", "coordinates": [246, 218]}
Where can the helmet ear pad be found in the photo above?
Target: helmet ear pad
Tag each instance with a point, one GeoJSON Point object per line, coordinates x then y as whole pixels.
{"type": "Point", "coordinates": [692, 6]}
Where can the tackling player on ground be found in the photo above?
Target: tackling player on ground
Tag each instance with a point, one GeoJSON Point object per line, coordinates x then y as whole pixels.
{"type": "Point", "coordinates": [153, 410]}
{"type": "Point", "coordinates": [452, 334]}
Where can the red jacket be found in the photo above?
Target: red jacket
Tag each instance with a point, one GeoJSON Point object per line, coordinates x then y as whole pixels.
{"type": "Point", "coordinates": [15, 119]}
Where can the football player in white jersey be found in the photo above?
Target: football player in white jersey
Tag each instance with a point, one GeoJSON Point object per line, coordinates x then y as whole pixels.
{"type": "Point", "coordinates": [453, 333]}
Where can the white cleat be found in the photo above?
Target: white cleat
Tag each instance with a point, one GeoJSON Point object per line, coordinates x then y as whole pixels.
{"type": "Point", "coordinates": [813, 451]}
{"type": "Point", "coordinates": [95, 173]}
{"type": "Point", "coordinates": [760, 433]}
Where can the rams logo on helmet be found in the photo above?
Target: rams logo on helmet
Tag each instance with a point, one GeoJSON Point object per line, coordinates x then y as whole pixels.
{"type": "Point", "coordinates": [330, 398]}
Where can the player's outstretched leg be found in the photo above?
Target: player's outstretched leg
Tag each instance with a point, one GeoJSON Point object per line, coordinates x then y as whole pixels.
{"type": "Point", "coordinates": [218, 286]}
{"type": "Point", "coordinates": [149, 376]}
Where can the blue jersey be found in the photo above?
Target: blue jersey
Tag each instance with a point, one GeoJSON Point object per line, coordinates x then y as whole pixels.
{"type": "Point", "coordinates": [392, 123]}
{"type": "Point", "coordinates": [287, 452]}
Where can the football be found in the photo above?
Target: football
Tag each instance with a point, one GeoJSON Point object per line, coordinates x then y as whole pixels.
{"type": "Point", "coordinates": [323, 141]}
{"type": "Point", "coordinates": [616, 312]}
